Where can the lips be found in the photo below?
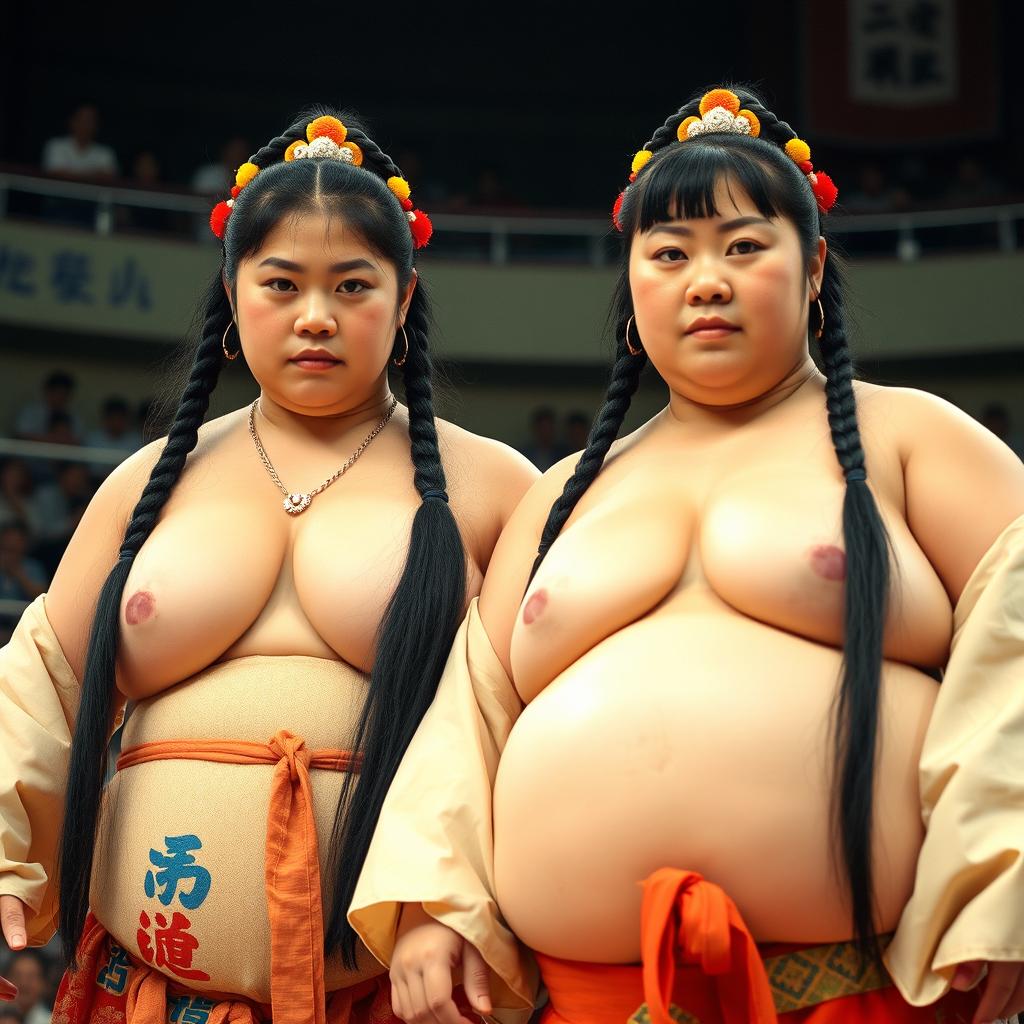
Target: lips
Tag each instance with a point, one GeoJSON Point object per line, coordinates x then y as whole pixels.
{"type": "Point", "coordinates": [711, 326]}
{"type": "Point", "coordinates": [314, 355]}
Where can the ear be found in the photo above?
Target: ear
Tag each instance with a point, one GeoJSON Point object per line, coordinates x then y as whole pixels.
{"type": "Point", "coordinates": [816, 268]}
{"type": "Point", "coordinates": [403, 308]}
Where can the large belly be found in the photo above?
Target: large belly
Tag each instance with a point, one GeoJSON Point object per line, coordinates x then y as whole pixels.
{"type": "Point", "coordinates": [697, 742]}
{"type": "Point", "coordinates": [182, 842]}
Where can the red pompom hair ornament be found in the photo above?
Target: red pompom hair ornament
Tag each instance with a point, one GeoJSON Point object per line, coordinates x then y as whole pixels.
{"type": "Point", "coordinates": [421, 228]}
{"type": "Point", "coordinates": [615, 210]}
{"type": "Point", "coordinates": [824, 190]}
{"type": "Point", "coordinates": [219, 219]}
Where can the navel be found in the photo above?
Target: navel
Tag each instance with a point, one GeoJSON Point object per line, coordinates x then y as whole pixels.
{"type": "Point", "coordinates": [535, 606]}
{"type": "Point", "coordinates": [829, 561]}
{"type": "Point", "coordinates": [140, 607]}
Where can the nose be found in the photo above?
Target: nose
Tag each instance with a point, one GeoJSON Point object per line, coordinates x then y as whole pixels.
{"type": "Point", "coordinates": [707, 284]}
{"type": "Point", "coordinates": [316, 319]}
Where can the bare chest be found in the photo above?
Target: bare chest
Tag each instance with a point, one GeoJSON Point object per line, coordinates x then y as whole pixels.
{"type": "Point", "coordinates": [742, 531]}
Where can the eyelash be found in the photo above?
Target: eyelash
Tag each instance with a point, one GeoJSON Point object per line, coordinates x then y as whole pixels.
{"type": "Point", "coordinates": [363, 285]}
{"type": "Point", "coordinates": [743, 241]}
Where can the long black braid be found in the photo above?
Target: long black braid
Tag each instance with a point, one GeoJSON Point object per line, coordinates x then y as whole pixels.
{"type": "Point", "coordinates": [783, 189]}
{"type": "Point", "coordinates": [423, 614]}
{"type": "Point", "coordinates": [95, 714]}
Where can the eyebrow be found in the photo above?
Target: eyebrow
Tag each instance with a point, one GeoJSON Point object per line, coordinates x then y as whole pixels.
{"type": "Point", "coordinates": [729, 225]}
{"type": "Point", "coordinates": [334, 268]}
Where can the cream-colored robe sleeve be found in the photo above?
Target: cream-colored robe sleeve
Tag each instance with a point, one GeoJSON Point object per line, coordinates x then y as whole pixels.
{"type": "Point", "coordinates": [434, 840]}
{"type": "Point", "coordinates": [968, 898]}
{"type": "Point", "coordinates": [38, 703]}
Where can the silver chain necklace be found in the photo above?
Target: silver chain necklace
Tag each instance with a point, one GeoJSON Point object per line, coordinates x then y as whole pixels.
{"type": "Point", "coordinates": [296, 502]}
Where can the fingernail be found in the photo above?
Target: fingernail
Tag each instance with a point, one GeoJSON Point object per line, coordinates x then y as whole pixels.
{"type": "Point", "coordinates": [17, 940]}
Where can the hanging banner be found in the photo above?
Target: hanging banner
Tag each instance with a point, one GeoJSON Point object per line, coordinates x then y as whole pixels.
{"type": "Point", "coordinates": [901, 72]}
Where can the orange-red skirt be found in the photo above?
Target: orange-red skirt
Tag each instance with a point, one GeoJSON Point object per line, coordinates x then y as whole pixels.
{"type": "Point", "coordinates": [113, 987]}
{"type": "Point", "coordinates": [702, 966]}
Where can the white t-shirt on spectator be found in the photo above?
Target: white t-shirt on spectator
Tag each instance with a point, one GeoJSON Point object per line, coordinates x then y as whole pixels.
{"type": "Point", "coordinates": [64, 155]}
{"type": "Point", "coordinates": [212, 179]}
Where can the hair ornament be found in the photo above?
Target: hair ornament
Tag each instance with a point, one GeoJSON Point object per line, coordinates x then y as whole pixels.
{"type": "Point", "coordinates": [326, 139]}
{"type": "Point", "coordinates": [721, 111]}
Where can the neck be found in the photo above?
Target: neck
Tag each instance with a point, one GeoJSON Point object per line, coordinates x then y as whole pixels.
{"type": "Point", "coordinates": [326, 426]}
{"type": "Point", "coordinates": [693, 414]}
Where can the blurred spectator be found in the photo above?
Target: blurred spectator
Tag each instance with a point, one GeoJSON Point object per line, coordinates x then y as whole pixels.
{"type": "Point", "coordinates": [543, 450]}
{"type": "Point", "coordinates": [115, 431]}
{"type": "Point", "coordinates": [56, 502]}
{"type": "Point", "coordinates": [874, 192]}
{"type": "Point", "coordinates": [973, 185]}
{"type": "Point", "coordinates": [27, 970]}
{"type": "Point", "coordinates": [216, 179]}
{"type": "Point", "coordinates": [10, 1014]}
{"type": "Point", "coordinates": [996, 417]}
{"type": "Point", "coordinates": [146, 175]}
{"type": "Point", "coordinates": [79, 155]}
{"type": "Point", "coordinates": [49, 551]}
{"type": "Point", "coordinates": [16, 500]}
{"type": "Point", "coordinates": [21, 579]}
{"type": "Point", "coordinates": [34, 422]}
{"type": "Point", "coordinates": [577, 429]}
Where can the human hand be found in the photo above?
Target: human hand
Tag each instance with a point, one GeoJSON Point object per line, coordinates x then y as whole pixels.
{"type": "Point", "coordinates": [12, 921]}
{"type": "Point", "coordinates": [425, 956]}
{"type": "Point", "coordinates": [1004, 988]}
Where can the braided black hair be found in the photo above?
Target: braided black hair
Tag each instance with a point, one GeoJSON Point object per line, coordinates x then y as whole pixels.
{"type": "Point", "coordinates": [422, 616]}
{"type": "Point", "coordinates": [680, 181]}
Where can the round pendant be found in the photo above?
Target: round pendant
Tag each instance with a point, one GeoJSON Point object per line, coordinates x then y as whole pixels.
{"type": "Point", "coordinates": [296, 503]}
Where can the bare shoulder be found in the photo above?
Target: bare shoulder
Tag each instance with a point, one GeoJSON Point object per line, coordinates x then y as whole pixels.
{"type": "Point", "coordinates": [483, 472]}
{"type": "Point", "coordinates": [964, 486]}
{"type": "Point", "coordinates": [96, 542]}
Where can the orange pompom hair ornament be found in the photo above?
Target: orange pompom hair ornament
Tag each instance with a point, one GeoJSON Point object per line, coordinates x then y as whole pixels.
{"type": "Point", "coordinates": [326, 127]}
{"type": "Point", "coordinates": [719, 98]}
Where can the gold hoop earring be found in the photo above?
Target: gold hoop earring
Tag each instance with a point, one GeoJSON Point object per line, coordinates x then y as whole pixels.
{"type": "Point", "coordinates": [405, 354]}
{"type": "Point", "coordinates": [632, 351]}
{"type": "Point", "coordinates": [821, 315]}
{"type": "Point", "coordinates": [224, 343]}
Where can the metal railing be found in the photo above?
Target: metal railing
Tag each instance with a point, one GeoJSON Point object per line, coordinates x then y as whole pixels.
{"type": "Point", "coordinates": [500, 230]}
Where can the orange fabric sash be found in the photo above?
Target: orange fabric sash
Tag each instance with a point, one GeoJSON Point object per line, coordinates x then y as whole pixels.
{"type": "Point", "coordinates": [683, 914]}
{"type": "Point", "coordinates": [292, 866]}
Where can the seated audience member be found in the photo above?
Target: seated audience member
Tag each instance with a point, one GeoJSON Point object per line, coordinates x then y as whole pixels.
{"type": "Point", "coordinates": [55, 502]}
{"type": "Point", "coordinates": [115, 431]}
{"type": "Point", "coordinates": [21, 578]}
{"type": "Point", "coordinates": [17, 501]}
{"type": "Point", "coordinates": [78, 154]}
{"type": "Point", "coordinates": [33, 421]}
{"type": "Point", "coordinates": [27, 970]}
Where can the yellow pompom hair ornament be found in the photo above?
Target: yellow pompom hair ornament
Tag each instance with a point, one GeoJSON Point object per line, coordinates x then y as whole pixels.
{"type": "Point", "coordinates": [289, 153]}
{"type": "Point", "coordinates": [720, 98]}
{"type": "Point", "coordinates": [326, 126]}
{"type": "Point", "coordinates": [640, 160]}
{"type": "Point", "coordinates": [400, 187]}
{"type": "Point", "coordinates": [245, 174]}
{"type": "Point", "coordinates": [798, 150]}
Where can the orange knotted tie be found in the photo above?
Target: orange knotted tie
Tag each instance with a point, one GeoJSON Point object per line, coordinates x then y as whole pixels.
{"type": "Point", "coordinates": [686, 916]}
{"type": "Point", "coordinates": [292, 865]}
